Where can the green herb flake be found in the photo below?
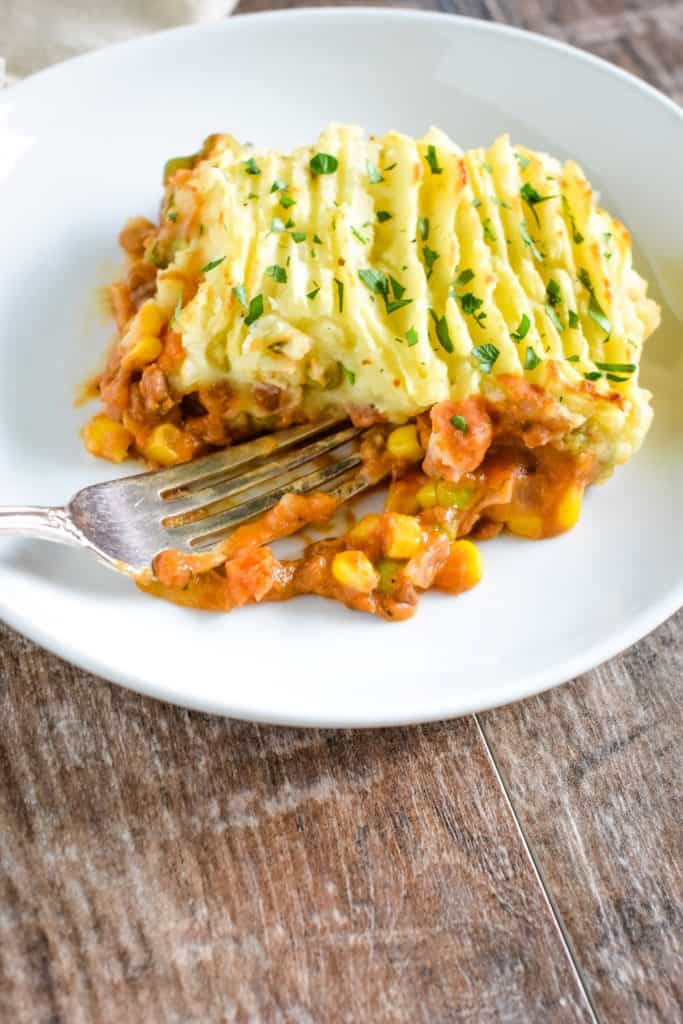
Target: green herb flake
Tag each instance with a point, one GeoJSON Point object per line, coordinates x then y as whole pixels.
{"type": "Point", "coordinates": [323, 163]}
{"type": "Point", "coordinates": [375, 280]}
{"type": "Point", "coordinates": [500, 202]}
{"type": "Point", "coordinates": [349, 374]}
{"type": "Point", "coordinates": [384, 215]}
{"type": "Point", "coordinates": [432, 159]}
{"type": "Point", "coordinates": [374, 176]}
{"type": "Point", "coordinates": [522, 160]}
{"type": "Point", "coordinates": [553, 292]}
{"type": "Point", "coordinates": [361, 238]}
{"type": "Point", "coordinates": [277, 273]}
{"type": "Point", "coordinates": [574, 319]}
{"type": "Point", "coordinates": [476, 203]}
{"type": "Point", "coordinates": [178, 309]}
{"type": "Point", "coordinates": [596, 313]}
{"type": "Point", "coordinates": [485, 356]}
{"type": "Point", "coordinates": [390, 167]}
{"type": "Point", "coordinates": [412, 337]}
{"type": "Point", "coordinates": [488, 230]}
{"type": "Point", "coordinates": [286, 202]}
{"type": "Point", "coordinates": [430, 258]}
{"type": "Point", "coordinates": [396, 287]}
{"type": "Point", "coordinates": [211, 264]}
{"type": "Point", "coordinates": [255, 310]}
{"type": "Point", "coordinates": [554, 318]}
{"type": "Point", "coordinates": [173, 216]}
{"type": "Point", "coordinates": [573, 359]}
{"type": "Point", "coordinates": [532, 197]}
{"type": "Point", "coordinates": [463, 278]}
{"type": "Point", "coordinates": [576, 234]}
{"type": "Point", "coordinates": [423, 228]}
{"type": "Point", "coordinates": [317, 240]}
{"type": "Point", "coordinates": [251, 167]}
{"type": "Point", "coordinates": [240, 294]}
{"type": "Point", "coordinates": [531, 360]}
{"type": "Point", "coordinates": [460, 423]}
{"type": "Point", "coordinates": [617, 367]}
{"type": "Point", "coordinates": [313, 293]}
{"type": "Point", "coordinates": [523, 329]}
{"type": "Point", "coordinates": [340, 296]}
{"type": "Point", "coordinates": [278, 186]}
{"type": "Point", "coordinates": [298, 236]}
{"type": "Point", "coordinates": [442, 332]}
{"type": "Point", "coordinates": [528, 240]}
{"type": "Point", "coordinates": [593, 375]}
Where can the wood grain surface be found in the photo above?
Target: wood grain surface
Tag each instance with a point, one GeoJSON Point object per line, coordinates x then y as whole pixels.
{"type": "Point", "coordinates": [522, 865]}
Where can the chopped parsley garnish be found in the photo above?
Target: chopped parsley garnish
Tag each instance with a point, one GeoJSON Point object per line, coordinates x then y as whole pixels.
{"type": "Point", "coordinates": [432, 159]}
{"type": "Point", "coordinates": [528, 240]}
{"type": "Point", "coordinates": [554, 318]}
{"type": "Point", "coordinates": [277, 273]}
{"type": "Point", "coordinates": [390, 167]}
{"type": "Point", "coordinates": [349, 374]}
{"type": "Point", "coordinates": [595, 310]}
{"type": "Point", "coordinates": [251, 167]}
{"type": "Point", "coordinates": [278, 186]}
{"type": "Point", "coordinates": [460, 423]}
{"type": "Point", "coordinates": [323, 163]}
{"type": "Point", "coordinates": [531, 360]}
{"type": "Point", "coordinates": [617, 367]}
{"type": "Point", "coordinates": [476, 203]}
{"type": "Point", "coordinates": [471, 305]}
{"type": "Point", "coordinates": [613, 376]}
{"type": "Point", "coordinates": [289, 223]}
{"type": "Point", "coordinates": [607, 237]}
{"type": "Point", "coordinates": [178, 309]}
{"type": "Point", "coordinates": [252, 195]}
{"type": "Point", "coordinates": [411, 337]}
{"type": "Point", "coordinates": [317, 240]}
{"type": "Point", "coordinates": [593, 375]}
{"type": "Point", "coordinates": [423, 228]}
{"type": "Point", "coordinates": [298, 236]}
{"type": "Point", "coordinates": [340, 295]}
{"type": "Point", "coordinates": [576, 234]}
{"type": "Point", "coordinates": [488, 230]}
{"type": "Point", "coordinates": [532, 197]}
{"type": "Point", "coordinates": [523, 329]}
{"type": "Point", "coordinates": [485, 356]}
{"type": "Point", "coordinates": [522, 160]}
{"type": "Point", "coordinates": [357, 234]}
{"type": "Point", "coordinates": [374, 176]}
{"type": "Point", "coordinates": [553, 292]}
{"type": "Point", "coordinates": [573, 359]}
{"type": "Point", "coordinates": [312, 294]}
{"type": "Point", "coordinates": [211, 264]}
{"type": "Point", "coordinates": [240, 294]}
{"type": "Point", "coordinates": [501, 203]}
{"type": "Point", "coordinates": [383, 215]}
{"type": "Point", "coordinates": [574, 319]}
{"type": "Point", "coordinates": [442, 332]}
{"type": "Point", "coordinates": [374, 280]}
{"type": "Point", "coordinates": [255, 310]}
{"type": "Point", "coordinates": [173, 216]}
{"type": "Point", "coordinates": [276, 224]}
{"type": "Point", "coordinates": [430, 258]}
{"type": "Point", "coordinates": [463, 278]}
{"type": "Point", "coordinates": [396, 287]}
{"type": "Point", "coordinates": [286, 202]}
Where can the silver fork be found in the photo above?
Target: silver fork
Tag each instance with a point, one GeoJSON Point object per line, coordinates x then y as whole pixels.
{"type": "Point", "coordinates": [190, 507]}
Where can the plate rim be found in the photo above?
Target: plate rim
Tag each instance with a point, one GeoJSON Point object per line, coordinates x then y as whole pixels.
{"type": "Point", "coordinates": [437, 710]}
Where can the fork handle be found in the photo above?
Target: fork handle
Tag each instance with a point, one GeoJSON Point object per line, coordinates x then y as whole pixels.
{"type": "Point", "coordinates": [32, 521]}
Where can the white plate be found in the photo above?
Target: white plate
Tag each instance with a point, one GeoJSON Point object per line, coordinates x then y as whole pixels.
{"type": "Point", "coordinates": [97, 131]}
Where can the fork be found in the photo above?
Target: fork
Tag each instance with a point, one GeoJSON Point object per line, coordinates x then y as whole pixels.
{"type": "Point", "coordinates": [190, 507]}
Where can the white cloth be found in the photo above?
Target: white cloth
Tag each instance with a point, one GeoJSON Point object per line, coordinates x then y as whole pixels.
{"type": "Point", "coordinates": [35, 33]}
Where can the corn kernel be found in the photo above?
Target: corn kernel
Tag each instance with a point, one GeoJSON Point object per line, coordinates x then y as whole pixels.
{"type": "Point", "coordinates": [150, 319]}
{"type": "Point", "coordinates": [426, 496]}
{"type": "Point", "coordinates": [106, 438]}
{"type": "Point", "coordinates": [451, 496]}
{"type": "Point", "coordinates": [145, 350]}
{"type": "Point", "coordinates": [568, 509]}
{"type": "Point", "coordinates": [403, 536]}
{"type": "Point", "coordinates": [163, 445]}
{"type": "Point", "coordinates": [463, 569]}
{"type": "Point", "coordinates": [354, 569]}
{"type": "Point", "coordinates": [365, 528]}
{"type": "Point", "coordinates": [526, 526]}
{"type": "Point", "coordinates": [403, 443]}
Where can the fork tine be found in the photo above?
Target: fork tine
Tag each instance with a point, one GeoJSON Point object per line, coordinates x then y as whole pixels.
{"type": "Point", "coordinates": [202, 501]}
{"type": "Point", "coordinates": [208, 531]}
{"type": "Point", "coordinates": [191, 473]}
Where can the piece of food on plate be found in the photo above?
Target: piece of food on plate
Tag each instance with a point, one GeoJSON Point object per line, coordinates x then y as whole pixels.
{"type": "Point", "coordinates": [477, 309]}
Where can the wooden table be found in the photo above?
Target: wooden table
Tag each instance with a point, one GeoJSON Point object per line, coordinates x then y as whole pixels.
{"type": "Point", "coordinates": [519, 865]}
